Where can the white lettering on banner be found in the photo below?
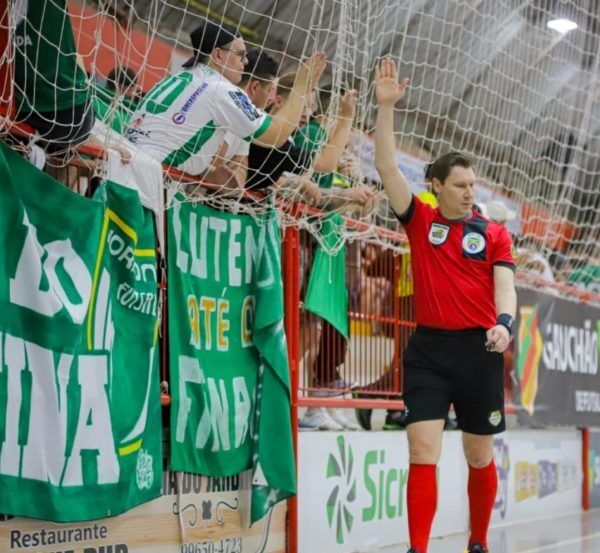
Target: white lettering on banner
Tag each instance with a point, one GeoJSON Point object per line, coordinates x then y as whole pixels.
{"type": "Point", "coordinates": [199, 265]}
{"type": "Point", "coordinates": [43, 458]}
{"type": "Point", "coordinates": [213, 231]}
{"type": "Point", "coordinates": [33, 381]}
{"type": "Point", "coordinates": [23, 41]}
{"type": "Point", "coordinates": [243, 406]}
{"type": "Point", "coordinates": [571, 348]}
{"type": "Point", "coordinates": [252, 253]}
{"type": "Point", "coordinates": [218, 226]}
{"type": "Point", "coordinates": [587, 401]}
{"type": "Point", "coordinates": [234, 251]}
{"type": "Point", "coordinates": [119, 249]}
{"type": "Point", "coordinates": [104, 329]}
{"type": "Point", "coordinates": [94, 430]}
{"type": "Point", "coordinates": [182, 257]}
{"type": "Point", "coordinates": [214, 420]}
{"type": "Point", "coordinates": [270, 276]}
{"type": "Point", "coordinates": [13, 360]}
{"type": "Point", "coordinates": [189, 372]}
{"type": "Point", "coordinates": [142, 302]}
{"type": "Point", "coordinates": [37, 286]}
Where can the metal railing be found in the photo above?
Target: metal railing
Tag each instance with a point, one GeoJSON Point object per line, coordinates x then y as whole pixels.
{"type": "Point", "coordinates": [381, 314]}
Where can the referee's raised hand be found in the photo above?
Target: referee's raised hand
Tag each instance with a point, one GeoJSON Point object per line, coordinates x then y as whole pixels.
{"type": "Point", "coordinates": [387, 88]}
{"type": "Point", "coordinates": [497, 338]}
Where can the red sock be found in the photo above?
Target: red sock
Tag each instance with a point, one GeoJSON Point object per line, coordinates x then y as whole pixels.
{"type": "Point", "coordinates": [421, 498]}
{"type": "Point", "coordinates": [482, 487]}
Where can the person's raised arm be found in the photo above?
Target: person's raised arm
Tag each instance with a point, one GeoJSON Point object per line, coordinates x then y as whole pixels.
{"type": "Point", "coordinates": [286, 120]}
{"type": "Point", "coordinates": [389, 92]}
{"type": "Point", "coordinates": [329, 157]}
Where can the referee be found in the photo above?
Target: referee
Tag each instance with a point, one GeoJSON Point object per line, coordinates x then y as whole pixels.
{"type": "Point", "coordinates": [465, 303]}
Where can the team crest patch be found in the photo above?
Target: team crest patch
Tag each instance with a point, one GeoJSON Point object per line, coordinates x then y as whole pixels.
{"type": "Point", "coordinates": [513, 252]}
{"type": "Point", "coordinates": [242, 102]}
{"type": "Point", "coordinates": [438, 233]}
{"type": "Point", "coordinates": [473, 242]}
{"type": "Point", "coordinates": [495, 418]}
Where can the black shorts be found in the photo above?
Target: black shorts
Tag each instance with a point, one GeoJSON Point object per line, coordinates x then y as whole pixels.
{"type": "Point", "coordinates": [443, 367]}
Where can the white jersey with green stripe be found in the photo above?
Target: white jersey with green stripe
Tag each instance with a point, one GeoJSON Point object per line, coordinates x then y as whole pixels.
{"type": "Point", "coordinates": [184, 118]}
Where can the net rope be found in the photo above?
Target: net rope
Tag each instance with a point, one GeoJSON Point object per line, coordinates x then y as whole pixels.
{"type": "Point", "coordinates": [488, 77]}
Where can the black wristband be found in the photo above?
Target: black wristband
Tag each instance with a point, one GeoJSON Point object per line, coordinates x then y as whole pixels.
{"type": "Point", "coordinates": [506, 321]}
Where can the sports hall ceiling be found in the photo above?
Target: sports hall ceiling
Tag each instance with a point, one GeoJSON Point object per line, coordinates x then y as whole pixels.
{"type": "Point", "coordinates": [488, 76]}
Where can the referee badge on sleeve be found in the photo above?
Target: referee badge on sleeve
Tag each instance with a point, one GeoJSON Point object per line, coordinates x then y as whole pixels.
{"type": "Point", "coordinates": [438, 233]}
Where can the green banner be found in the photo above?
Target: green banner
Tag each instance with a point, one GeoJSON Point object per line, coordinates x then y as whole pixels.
{"type": "Point", "coordinates": [228, 354]}
{"type": "Point", "coordinates": [80, 434]}
{"type": "Point", "coordinates": [327, 295]}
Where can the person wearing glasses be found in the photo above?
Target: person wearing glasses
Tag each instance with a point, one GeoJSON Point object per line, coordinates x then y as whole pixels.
{"type": "Point", "coordinates": [185, 117]}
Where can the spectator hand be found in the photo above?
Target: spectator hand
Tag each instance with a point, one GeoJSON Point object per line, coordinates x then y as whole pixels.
{"type": "Point", "coordinates": [312, 69]}
{"type": "Point", "coordinates": [387, 89]}
{"type": "Point", "coordinates": [498, 338]}
{"type": "Point", "coordinates": [223, 176]}
{"type": "Point", "coordinates": [360, 194]}
{"type": "Point", "coordinates": [311, 193]}
{"type": "Point", "coordinates": [349, 166]}
{"type": "Point", "coordinates": [123, 151]}
{"type": "Point", "coordinates": [348, 105]}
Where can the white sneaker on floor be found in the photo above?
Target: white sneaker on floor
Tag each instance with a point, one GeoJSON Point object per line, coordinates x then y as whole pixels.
{"type": "Point", "coordinates": [321, 419]}
{"type": "Point", "coordinates": [338, 416]}
{"type": "Point", "coordinates": [305, 426]}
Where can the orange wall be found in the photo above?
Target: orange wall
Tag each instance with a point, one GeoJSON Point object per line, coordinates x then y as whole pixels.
{"type": "Point", "coordinates": [551, 231]}
{"type": "Point", "coordinates": [103, 44]}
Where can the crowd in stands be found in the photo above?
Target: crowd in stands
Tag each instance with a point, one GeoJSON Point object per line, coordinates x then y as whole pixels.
{"type": "Point", "coordinates": [233, 120]}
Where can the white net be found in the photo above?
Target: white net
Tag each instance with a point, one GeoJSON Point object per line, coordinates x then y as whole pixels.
{"type": "Point", "coordinates": [488, 77]}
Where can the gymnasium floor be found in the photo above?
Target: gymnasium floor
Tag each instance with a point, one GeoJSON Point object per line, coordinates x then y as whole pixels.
{"type": "Point", "coordinates": [576, 533]}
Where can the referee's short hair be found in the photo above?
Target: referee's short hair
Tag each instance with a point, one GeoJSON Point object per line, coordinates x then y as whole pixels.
{"type": "Point", "coordinates": [441, 167]}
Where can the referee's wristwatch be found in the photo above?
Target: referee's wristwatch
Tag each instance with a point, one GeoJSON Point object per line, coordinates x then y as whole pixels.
{"type": "Point", "coordinates": [507, 321]}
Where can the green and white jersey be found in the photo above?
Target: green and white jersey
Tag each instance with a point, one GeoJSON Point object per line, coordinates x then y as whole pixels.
{"type": "Point", "coordinates": [184, 118]}
{"type": "Point", "coordinates": [236, 146]}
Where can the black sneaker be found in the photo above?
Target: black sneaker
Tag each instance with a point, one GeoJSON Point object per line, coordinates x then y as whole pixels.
{"type": "Point", "coordinates": [411, 550]}
{"type": "Point", "coordinates": [477, 548]}
{"type": "Point", "coordinates": [363, 416]}
{"type": "Point", "coordinates": [395, 420]}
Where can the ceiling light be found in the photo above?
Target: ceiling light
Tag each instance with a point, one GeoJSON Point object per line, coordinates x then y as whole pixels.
{"type": "Point", "coordinates": [562, 25]}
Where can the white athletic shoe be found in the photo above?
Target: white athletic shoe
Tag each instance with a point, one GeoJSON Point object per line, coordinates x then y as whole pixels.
{"type": "Point", "coordinates": [318, 416]}
{"type": "Point", "coordinates": [338, 416]}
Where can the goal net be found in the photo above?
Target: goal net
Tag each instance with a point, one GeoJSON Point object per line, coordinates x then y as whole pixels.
{"type": "Point", "coordinates": [513, 83]}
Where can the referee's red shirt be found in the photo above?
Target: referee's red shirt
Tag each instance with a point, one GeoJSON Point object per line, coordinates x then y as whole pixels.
{"type": "Point", "coordinates": [453, 267]}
